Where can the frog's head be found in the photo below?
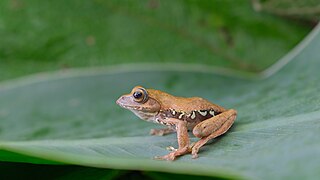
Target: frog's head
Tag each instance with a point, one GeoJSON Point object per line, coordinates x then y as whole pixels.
{"type": "Point", "coordinates": [140, 103]}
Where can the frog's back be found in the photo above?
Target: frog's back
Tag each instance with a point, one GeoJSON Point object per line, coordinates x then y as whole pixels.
{"type": "Point", "coordinates": [192, 109]}
{"type": "Point", "coordinates": [186, 104]}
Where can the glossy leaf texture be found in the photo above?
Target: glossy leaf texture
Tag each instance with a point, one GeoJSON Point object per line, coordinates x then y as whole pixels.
{"type": "Point", "coordinates": [72, 118]}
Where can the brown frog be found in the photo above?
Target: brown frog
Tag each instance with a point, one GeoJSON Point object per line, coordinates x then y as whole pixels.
{"type": "Point", "coordinates": [179, 114]}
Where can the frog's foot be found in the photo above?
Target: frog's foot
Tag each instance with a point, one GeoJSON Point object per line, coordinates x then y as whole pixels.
{"type": "Point", "coordinates": [168, 157]}
{"type": "Point", "coordinates": [161, 132]}
{"type": "Point", "coordinates": [194, 153]}
{"type": "Point", "coordinates": [172, 156]}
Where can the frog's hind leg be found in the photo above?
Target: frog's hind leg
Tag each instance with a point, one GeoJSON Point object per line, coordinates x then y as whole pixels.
{"type": "Point", "coordinates": [212, 128]}
{"type": "Point", "coordinates": [162, 132]}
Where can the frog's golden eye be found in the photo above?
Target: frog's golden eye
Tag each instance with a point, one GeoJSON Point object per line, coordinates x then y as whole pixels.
{"type": "Point", "coordinates": [140, 95]}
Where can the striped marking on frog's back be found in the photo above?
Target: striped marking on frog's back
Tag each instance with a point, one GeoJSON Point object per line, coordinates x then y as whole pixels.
{"type": "Point", "coordinates": [193, 116]}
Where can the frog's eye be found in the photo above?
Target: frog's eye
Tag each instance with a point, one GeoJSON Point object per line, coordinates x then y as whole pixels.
{"type": "Point", "coordinates": [140, 95]}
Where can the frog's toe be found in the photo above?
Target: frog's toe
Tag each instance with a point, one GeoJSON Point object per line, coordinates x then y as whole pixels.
{"type": "Point", "coordinates": [170, 148]}
{"type": "Point", "coordinates": [195, 155]}
{"type": "Point", "coordinates": [158, 158]}
{"type": "Point", "coordinates": [168, 157]}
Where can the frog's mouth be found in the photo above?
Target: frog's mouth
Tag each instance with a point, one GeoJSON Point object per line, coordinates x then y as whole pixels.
{"type": "Point", "coordinates": [121, 103]}
{"type": "Point", "coordinates": [140, 111]}
{"type": "Point", "coordinates": [137, 108]}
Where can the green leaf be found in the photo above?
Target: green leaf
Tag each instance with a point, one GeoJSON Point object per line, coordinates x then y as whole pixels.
{"type": "Point", "coordinates": [48, 35]}
{"type": "Point", "coordinates": [71, 117]}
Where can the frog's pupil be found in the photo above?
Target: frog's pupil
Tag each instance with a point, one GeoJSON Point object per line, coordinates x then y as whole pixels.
{"type": "Point", "coordinates": [137, 94]}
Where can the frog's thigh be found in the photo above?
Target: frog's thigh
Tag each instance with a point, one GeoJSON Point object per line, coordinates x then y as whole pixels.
{"type": "Point", "coordinates": [220, 123]}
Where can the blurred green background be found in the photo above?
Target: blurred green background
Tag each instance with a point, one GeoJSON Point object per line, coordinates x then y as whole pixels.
{"type": "Point", "coordinates": [38, 36]}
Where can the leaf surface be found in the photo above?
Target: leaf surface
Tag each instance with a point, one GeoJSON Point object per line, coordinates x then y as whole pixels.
{"type": "Point", "coordinates": [72, 118]}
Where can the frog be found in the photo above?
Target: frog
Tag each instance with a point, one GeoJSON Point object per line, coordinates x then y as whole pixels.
{"type": "Point", "coordinates": [181, 115]}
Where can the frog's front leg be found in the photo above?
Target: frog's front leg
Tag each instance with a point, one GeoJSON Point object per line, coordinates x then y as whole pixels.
{"type": "Point", "coordinates": [183, 140]}
{"type": "Point", "coordinates": [161, 132]}
{"type": "Point", "coordinates": [212, 128]}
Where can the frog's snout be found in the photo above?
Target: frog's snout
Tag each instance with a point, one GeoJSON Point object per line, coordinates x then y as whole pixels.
{"type": "Point", "coordinates": [124, 101]}
{"type": "Point", "coordinates": [121, 100]}
{"type": "Point", "coordinates": [118, 101]}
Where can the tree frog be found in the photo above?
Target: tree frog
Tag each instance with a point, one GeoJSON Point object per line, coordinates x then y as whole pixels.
{"type": "Point", "coordinates": [179, 114]}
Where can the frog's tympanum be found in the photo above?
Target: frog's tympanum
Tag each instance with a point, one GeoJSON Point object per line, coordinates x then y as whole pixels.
{"type": "Point", "coordinates": [179, 114]}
